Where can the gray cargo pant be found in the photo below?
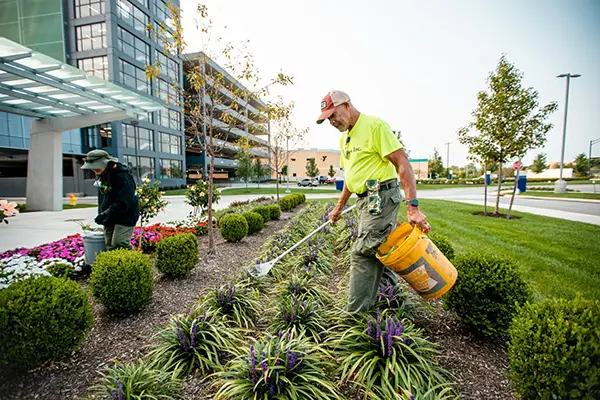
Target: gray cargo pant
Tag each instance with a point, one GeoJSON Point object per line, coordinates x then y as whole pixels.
{"type": "Point", "coordinates": [118, 237]}
{"type": "Point", "coordinates": [366, 271]}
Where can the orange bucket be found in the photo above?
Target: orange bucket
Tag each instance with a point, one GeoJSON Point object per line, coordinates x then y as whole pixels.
{"type": "Point", "coordinates": [412, 255]}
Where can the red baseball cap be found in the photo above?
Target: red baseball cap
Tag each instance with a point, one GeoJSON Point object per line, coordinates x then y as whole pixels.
{"type": "Point", "coordinates": [330, 102]}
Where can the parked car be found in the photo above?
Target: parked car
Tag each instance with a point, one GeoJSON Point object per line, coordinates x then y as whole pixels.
{"type": "Point", "coordinates": [322, 179]}
{"type": "Point", "coordinates": [331, 180]}
{"type": "Point", "coordinates": [309, 182]}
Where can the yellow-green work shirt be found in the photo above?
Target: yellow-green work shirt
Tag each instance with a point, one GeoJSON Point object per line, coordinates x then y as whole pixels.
{"type": "Point", "coordinates": [363, 152]}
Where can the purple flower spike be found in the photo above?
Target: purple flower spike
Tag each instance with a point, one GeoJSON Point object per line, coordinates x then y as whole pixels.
{"type": "Point", "coordinates": [412, 397]}
{"type": "Point", "coordinates": [120, 392]}
{"type": "Point", "coordinates": [370, 329]}
{"type": "Point", "coordinates": [389, 343]}
{"type": "Point", "coordinates": [378, 329]}
{"type": "Point", "coordinates": [253, 365]}
{"type": "Point", "coordinates": [113, 394]}
{"type": "Point", "coordinates": [193, 336]}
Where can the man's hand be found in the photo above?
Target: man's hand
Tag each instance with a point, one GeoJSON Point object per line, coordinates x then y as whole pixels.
{"type": "Point", "coordinates": [101, 219]}
{"type": "Point", "coordinates": [335, 214]}
{"type": "Point", "coordinates": [416, 217]}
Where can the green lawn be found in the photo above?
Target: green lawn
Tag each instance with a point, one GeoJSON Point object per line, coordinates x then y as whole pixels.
{"type": "Point", "coordinates": [571, 195]}
{"type": "Point", "coordinates": [255, 190]}
{"type": "Point", "coordinates": [557, 257]}
{"type": "Point", "coordinates": [70, 207]}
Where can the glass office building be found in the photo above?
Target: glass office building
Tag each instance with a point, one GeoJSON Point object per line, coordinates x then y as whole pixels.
{"type": "Point", "coordinates": [113, 40]}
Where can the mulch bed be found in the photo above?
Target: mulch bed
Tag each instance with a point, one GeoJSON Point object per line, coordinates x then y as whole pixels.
{"type": "Point", "coordinates": [127, 338]}
{"type": "Point", "coordinates": [479, 365]}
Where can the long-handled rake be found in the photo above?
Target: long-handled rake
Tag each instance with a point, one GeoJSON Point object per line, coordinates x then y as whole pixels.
{"type": "Point", "coordinates": [263, 269]}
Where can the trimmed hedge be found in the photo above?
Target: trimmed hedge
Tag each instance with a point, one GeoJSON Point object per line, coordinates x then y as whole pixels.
{"type": "Point", "coordinates": [264, 212]}
{"type": "Point", "coordinates": [274, 211]}
{"type": "Point", "coordinates": [122, 280]}
{"type": "Point", "coordinates": [42, 319]}
{"type": "Point", "coordinates": [442, 243]}
{"type": "Point", "coordinates": [555, 350]}
{"type": "Point", "coordinates": [177, 255]}
{"type": "Point", "coordinates": [234, 227]}
{"type": "Point", "coordinates": [285, 203]}
{"type": "Point", "coordinates": [487, 293]}
{"type": "Point", "coordinates": [255, 222]}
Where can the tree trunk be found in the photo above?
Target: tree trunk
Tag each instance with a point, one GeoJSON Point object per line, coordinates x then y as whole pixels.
{"type": "Point", "coordinates": [512, 198]}
{"type": "Point", "coordinates": [211, 170]}
{"type": "Point", "coordinates": [485, 188]}
{"type": "Point", "coordinates": [499, 184]}
{"type": "Point", "coordinates": [277, 185]}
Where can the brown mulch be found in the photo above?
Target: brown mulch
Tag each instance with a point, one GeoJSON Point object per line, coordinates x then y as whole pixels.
{"type": "Point", "coordinates": [127, 338]}
{"type": "Point", "coordinates": [496, 215]}
{"type": "Point", "coordinates": [478, 365]}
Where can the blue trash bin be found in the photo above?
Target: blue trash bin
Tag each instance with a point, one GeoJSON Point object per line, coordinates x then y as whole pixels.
{"type": "Point", "coordinates": [488, 179]}
{"type": "Point", "coordinates": [339, 185]}
{"type": "Point", "coordinates": [522, 183]}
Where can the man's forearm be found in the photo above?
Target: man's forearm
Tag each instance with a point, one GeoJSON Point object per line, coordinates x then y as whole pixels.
{"type": "Point", "coordinates": [407, 177]}
{"type": "Point", "coordinates": [344, 197]}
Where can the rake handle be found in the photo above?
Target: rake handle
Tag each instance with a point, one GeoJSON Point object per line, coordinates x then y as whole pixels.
{"type": "Point", "coordinates": [285, 253]}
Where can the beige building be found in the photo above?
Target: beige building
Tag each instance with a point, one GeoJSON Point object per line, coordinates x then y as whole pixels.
{"type": "Point", "coordinates": [326, 158]}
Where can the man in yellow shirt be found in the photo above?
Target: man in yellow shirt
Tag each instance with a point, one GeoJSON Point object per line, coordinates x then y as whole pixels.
{"type": "Point", "coordinates": [373, 159]}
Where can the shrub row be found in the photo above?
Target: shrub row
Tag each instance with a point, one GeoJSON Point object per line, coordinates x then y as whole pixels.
{"type": "Point", "coordinates": [291, 200]}
{"type": "Point", "coordinates": [235, 227]}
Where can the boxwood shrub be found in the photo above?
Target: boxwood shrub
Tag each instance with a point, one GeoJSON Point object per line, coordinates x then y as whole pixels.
{"type": "Point", "coordinates": [122, 280]}
{"type": "Point", "coordinates": [274, 211]}
{"type": "Point", "coordinates": [255, 222]}
{"type": "Point", "coordinates": [442, 243]}
{"type": "Point", "coordinates": [264, 212]}
{"type": "Point", "coordinates": [286, 203]}
{"type": "Point", "coordinates": [234, 227]}
{"type": "Point", "coordinates": [554, 351]}
{"type": "Point", "coordinates": [487, 293]}
{"type": "Point", "coordinates": [177, 255]}
{"type": "Point", "coordinates": [42, 319]}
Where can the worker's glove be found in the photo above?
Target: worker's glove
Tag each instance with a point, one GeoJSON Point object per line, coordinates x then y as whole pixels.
{"type": "Point", "coordinates": [101, 218]}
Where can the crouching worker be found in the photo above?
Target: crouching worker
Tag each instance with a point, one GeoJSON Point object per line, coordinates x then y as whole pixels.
{"type": "Point", "coordinates": [118, 203]}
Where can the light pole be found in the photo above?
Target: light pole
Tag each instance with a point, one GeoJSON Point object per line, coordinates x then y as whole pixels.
{"type": "Point", "coordinates": [592, 142]}
{"type": "Point", "coordinates": [561, 185]}
{"type": "Point", "coordinates": [287, 163]}
{"type": "Point", "coordinates": [448, 156]}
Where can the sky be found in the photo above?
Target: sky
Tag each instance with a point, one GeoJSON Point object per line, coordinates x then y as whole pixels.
{"type": "Point", "coordinates": [418, 64]}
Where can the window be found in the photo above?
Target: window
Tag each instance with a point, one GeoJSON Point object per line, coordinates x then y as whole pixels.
{"type": "Point", "coordinates": [88, 8]}
{"type": "Point", "coordinates": [144, 117]}
{"type": "Point", "coordinates": [105, 135]}
{"type": "Point", "coordinates": [170, 169]}
{"type": "Point", "coordinates": [133, 15]}
{"type": "Point", "coordinates": [140, 167]}
{"type": "Point", "coordinates": [169, 119]}
{"type": "Point", "coordinates": [90, 137]}
{"type": "Point", "coordinates": [133, 46]}
{"type": "Point", "coordinates": [129, 136]}
{"type": "Point", "coordinates": [168, 66]}
{"type": "Point", "coordinates": [91, 37]}
{"type": "Point", "coordinates": [133, 77]}
{"type": "Point", "coordinates": [293, 159]}
{"type": "Point", "coordinates": [162, 13]}
{"type": "Point", "coordinates": [294, 174]}
{"type": "Point", "coordinates": [145, 139]}
{"type": "Point", "coordinates": [170, 143]}
{"type": "Point", "coordinates": [166, 92]}
{"type": "Point", "coordinates": [97, 66]}
{"type": "Point", "coordinates": [135, 137]}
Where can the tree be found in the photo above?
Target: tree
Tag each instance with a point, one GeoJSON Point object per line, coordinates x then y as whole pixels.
{"type": "Point", "coordinates": [398, 134]}
{"type": "Point", "coordinates": [284, 172]}
{"type": "Point", "coordinates": [582, 165]}
{"type": "Point", "coordinates": [539, 163]}
{"type": "Point", "coordinates": [211, 116]}
{"type": "Point", "coordinates": [435, 165]}
{"type": "Point", "coordinates": [312, 170]}
{"type": "Point", "coordinates": [259, 170]}
{"type": "Point", "coordinates": [508, 120]}
{"type": "Point", "coordinates": [331, 172]}
{"type": "Point", "coordinates": [244, 165]}
{"type": "Point", "coordinates": [283, 136]}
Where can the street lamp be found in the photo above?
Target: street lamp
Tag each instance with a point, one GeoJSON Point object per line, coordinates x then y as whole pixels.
{"type": "Point", "coordinates": [287, 163]}
{"type": "Point", "coordinates": [592, 142]}
{"type": "Point", "coordinates": [561, 185]}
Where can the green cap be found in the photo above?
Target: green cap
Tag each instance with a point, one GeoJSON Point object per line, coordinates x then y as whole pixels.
{"type": "Point", "coordinates": [97, 159]}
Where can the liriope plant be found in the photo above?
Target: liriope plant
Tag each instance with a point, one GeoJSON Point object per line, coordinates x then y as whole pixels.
{"type": "Point", "coordinates": [236, 303]}
{"type": "Point", "coordinates": [193, 343]}
{"type": "Point", "coordinates": [305, 285]}
{"type": "Point", "coordinates": [278, 367]}
{"type": "Point", "coordinates": [300, 318]}
{"type": "Point", "coordinates": [384, 358]}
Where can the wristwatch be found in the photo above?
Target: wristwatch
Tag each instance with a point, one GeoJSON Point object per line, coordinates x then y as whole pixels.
{"type": "Point", "coordinates": [413, 202]}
